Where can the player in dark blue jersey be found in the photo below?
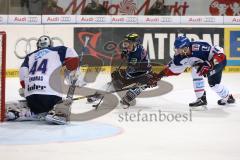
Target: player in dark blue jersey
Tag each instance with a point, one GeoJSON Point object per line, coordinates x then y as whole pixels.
{"type": "Point", "coordinates": [206, 61]}
{"type": "Point", "coordinates": [138, 67]}
{"type": "Point", "coordinates": [137, 72]}
{"type": "Point", "coordinates": [138, 63]}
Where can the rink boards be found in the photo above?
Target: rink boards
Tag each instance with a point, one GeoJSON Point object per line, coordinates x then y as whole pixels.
{"type": "Point", "coordinates": [103, 49]}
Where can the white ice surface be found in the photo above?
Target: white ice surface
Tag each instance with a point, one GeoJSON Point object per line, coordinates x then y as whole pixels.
{"type": "Point", "coordinates": [211, 135]}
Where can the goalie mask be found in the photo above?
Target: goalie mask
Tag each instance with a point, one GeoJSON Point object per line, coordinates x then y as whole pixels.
{"type": "Point", "coordinates": [44, 42]}
{"type": "Point", "coordinates": [131, 41]}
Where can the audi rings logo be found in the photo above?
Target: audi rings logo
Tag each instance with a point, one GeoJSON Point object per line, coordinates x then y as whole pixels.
{"type": "Point", "coordinates": [32, 19]}
{"type": "Point", "coordinates": [65, 19]}
{"type": "Point", "coordinates": [166, 19]}
{"type": "Point", "coordinates": [24, 46]}
{"type": "Point", "coordinates": [131, 19]}
{"type": "Point", "coordinates": [209, 19]}
{"type": "Point", "coordinates": [100, 19]}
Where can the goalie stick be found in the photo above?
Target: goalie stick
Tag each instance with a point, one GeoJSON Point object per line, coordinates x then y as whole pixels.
{"type": "Point", "coordinates": [104, 93]}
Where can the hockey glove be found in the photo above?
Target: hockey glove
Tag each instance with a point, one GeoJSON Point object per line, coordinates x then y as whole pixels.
{"type": "Point", "coordinates": [71, 76]}
{"type": "Point", "coordinates": [21, 92]}
{"type": "Point", "coordinates": [154, 79]}
{"type": "Point", "coordinates": [204, 68]}
{"type": "Point", "coordinates": [124, 53]}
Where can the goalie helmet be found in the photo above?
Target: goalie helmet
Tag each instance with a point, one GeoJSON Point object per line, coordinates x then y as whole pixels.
{"type": "Point", "coordinates": [44, 42]}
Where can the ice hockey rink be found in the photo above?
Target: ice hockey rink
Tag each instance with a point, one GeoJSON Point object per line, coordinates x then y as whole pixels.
{"type": "Point", "coordinates": [211, 134]}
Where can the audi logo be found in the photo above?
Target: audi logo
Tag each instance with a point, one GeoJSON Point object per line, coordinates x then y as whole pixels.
{"type": "Point", "coordinates": [32, 19]}
{"type": "Point", "coordinates": [166, 19]}
{"type": "Point", "coordinates": [131, 19]}
{"type": "Point", "coordinates": [65, 19]}
{"type": "Point", "coordinates": [100, 19]}
{"type": "Point", "coordinates": [209, 19]}
{"type": "Point", "coordinates": [24, 46]}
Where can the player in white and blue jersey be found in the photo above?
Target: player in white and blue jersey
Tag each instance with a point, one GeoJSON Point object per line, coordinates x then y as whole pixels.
{"type": "Point", "coordinates": [206, 61]}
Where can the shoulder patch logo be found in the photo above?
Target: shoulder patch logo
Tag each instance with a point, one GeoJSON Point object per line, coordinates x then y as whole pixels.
{"type": "Point", "coordinates": [195, 47]}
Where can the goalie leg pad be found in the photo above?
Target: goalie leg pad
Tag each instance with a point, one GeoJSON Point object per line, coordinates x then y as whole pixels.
{"type": "Point", "coordinates": [60, 115]}
{"type": "Point", "coordinates": [19, 111]}
{"type": "Point", "coordinates": [15, 110]}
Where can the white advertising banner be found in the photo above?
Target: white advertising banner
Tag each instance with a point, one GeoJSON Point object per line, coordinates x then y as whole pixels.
{"type": "Point", "coordinates": [198, 20]}
{"type": "Point", "coordinates": [58, 19]}
{"type": "Point", "coordinates": [24, 19]}
{"type": "Point", "coordinates": [159, 19]}
{"type": "Point", "coordinates": [3, 19]}
{"type": "Point", "coordinates": [116, 19]}
{"type": "Point", "coordinates": [231, 19]}
{"type": "Point", "coordinates": [93, 19]}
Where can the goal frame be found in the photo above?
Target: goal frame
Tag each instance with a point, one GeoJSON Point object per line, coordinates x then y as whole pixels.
{"type": "Point", "coordinates": [3, 74]}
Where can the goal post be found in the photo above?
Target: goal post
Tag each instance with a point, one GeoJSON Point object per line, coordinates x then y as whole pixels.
{"type": "Point", "coordinates": [3, 74]}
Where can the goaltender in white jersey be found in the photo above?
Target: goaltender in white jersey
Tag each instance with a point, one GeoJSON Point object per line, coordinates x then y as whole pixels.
{"type": "Point", "coordinates": [35, 74]}
{"type": "Point", "coordinates": [39, 66]}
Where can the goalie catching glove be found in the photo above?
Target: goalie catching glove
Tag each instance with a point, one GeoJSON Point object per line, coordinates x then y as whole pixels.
{"type": "Point", "coordinates": [71, 76]}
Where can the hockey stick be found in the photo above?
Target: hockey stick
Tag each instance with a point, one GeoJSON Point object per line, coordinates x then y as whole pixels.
{"type": "Point", "coordinates": [110, 92]}
{"type": "Point", "coordinates": [71, 89]}
{"type": "Point", "coordinates": [97, 105]}
{"type": "Point", "coordinates": [105, 93]}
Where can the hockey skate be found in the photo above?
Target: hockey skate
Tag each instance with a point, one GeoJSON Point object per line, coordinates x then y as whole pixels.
{"type": "Point", "coordinates": [94, 98]}
{"type": "Point", "coordinates": [200, 103]}
{"type": "Point", "coordinates": [56, 118]}
{"type": "Point", "coordinates": [125, 103]}
{"type": "Point", "coordinates": [228, 100]}
{"type": "Point", "coordinates": [129, 99]}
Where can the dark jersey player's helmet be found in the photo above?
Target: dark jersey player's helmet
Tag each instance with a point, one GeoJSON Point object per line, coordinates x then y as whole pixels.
{"type": "Point", "coordinates": [131, 41]}
{"type": "Point", "coordinates": [132, 37]}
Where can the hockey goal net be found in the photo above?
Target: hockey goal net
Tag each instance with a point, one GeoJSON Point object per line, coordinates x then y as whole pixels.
{"type": "Point", "coordinates": [2, 74]}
